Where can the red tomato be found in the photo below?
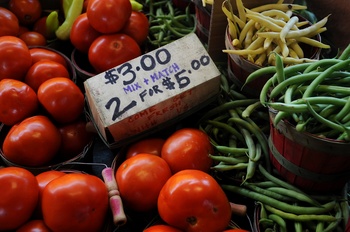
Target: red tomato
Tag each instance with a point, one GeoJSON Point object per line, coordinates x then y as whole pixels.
{"type": "Point", "coordinates": [108, 51]}
{"type": "Point", "coordinates": [193, 201]}
{"type": "Point", "coordinates": [44, 70]}
{"type": "Point", "coordinates": [33, 38]}
{"type": "Point", "coordinates": [43, 179]}
{"type": "Point", "coordinates": [75, 138]}
{"type": "Point", "coordinates": [188, 148]}
{"type": "Point", "coordinates": [15, 59]}
{"type": "Point", "coordinates": [18, 101]}
{"type": "Point", "coordinates": [22, 29]}
{"type": "Point", "coordinates": [18, 197]}
{"type": "Point", "coordinates": [149, 145]}
{"type": "Point", "coordinates": [27, 11]}
{"type": "Point", "coordinates": [9, 23]}
{"type": "Point", "coordinates": [140, 179]}
{"type": "Point", "coordinates": [32, 142]}
{"type": "Point", "coordinates": [38, 54]}
{"type": "Point", "coordinates": [40, 27]}
{"type": "Point", "coordinates": [108, 16]}
{"type": "Point", "coordinates": [81, 26]}
{"type": "Point", "coordinates": [137, 27]}
{"type": "Point", "coordinates": [161, 228]}
{"type": "Point", "coordinates": [75, 202]}
{"type": "Point", "coordinates": [37, 225]}
{"type": "Point", "coordinates": [62, 99]}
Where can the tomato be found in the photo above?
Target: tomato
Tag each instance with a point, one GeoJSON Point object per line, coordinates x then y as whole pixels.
{"type": "Point", "coordinates": [108, 16]}
{"type": "Point", "coordinates": [148, 145]}
{"type": "Point", "coordinates": [37, 225]}
{"type": "Point", "coordinates": [18, 101]}
{"type": "Point", "coordinates": [40, 27]}
{"type": "Point", "coordinates": [193, 201]}
{"type": "Point", "coordinates": [137, 27]}
{"type": "Point", "coordinates": [81, 26]}
{"type": "Point", "coordinates": [32, 142]}
{"type": "Point", "coordinates": [18, 197]}
{"type": "Point", "coordinates": [9, 24]}
{"type": "Point", "coordinates": [188, 148]}
{"type": "Point", "coordinates": [108, 51]}
{"type": "Point", "coordinates": [62, 99]}
{"type": "Point", "coordinates": [15, 59]}
{"type": "Point", "coordinates": [38, 54]}
{"type": "Point", "coordinates": [140, 179]}
{"type": "Point", "coordinates": [33, 38]}
{"type": "Point", "coordinates": [161, 228]}
{"type": "Point", "coordinates": [75, 138]}
{"type": "Point", "coordinates": [75, 202]}
{"type": "Point", "coordinates": [27, 11]}
{"type": "Point", "coordinates": [22, 29]}
{"type": "Point", "coordinates": [44, 70]}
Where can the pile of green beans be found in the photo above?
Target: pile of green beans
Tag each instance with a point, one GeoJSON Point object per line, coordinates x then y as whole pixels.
{"type": "Point", "coordinates": [283, 207]}
{"type": "Point", "coordinates": [168, 23]}
{"type": "Point", "coordinates": [315, 96]}
{"type": "Point", "coordinates": [237, 128]}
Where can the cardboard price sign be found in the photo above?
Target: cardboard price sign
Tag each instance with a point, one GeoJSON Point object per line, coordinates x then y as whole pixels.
{"type": "Point", "coordinates": [152, 89]}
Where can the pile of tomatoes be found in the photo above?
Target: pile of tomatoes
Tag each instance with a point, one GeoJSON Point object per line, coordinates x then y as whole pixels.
{"type": "Point", "coordinates": [41, 106]}
{"type": "Point", "coordinates": [171, 176]}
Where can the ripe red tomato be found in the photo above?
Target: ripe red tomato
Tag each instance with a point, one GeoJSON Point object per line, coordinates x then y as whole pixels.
{"type": "Point", "coordinates": [32, 142]}
{"type": "Point", "coordinates": [161, 228]}
{"type": "Point", "coordinates": [62, 99]}
{"type": "Point", "coordinates": [75, 138]}
{"type": "Point", "coordinates": [18, 197]}
{"type": "Point", "coordinates": [9, 23]}
{"type": "Point", "coordinates": [40, 27]}
{"type": "Point", "coordinates": [36, 225]}
{"type": "Point", "coordinates": [108, 16]}
{"type": "Point", "coordinates": [193, 201]}
{"type": "Point", "coordinates": [15, 59]}
{"type": "Point", "coordinates": [108, 51]}
{"type": "Point", "coordinates": [27, 11]}
{"type": "Point", "coordinates": [148, 145]}
{"type": "Point", "coordinates": [137, 27]}
{"type": "Point", "coordinates": [81, 26]}
{"type": "Point", "coordinates": [22, 29]}
{"type": "Point", "coordinates": [44, 70]}
{"type": "Point", "coordinates": [75, 202]}
{"type": "Point", "coordinates": [188, 148]}
{"type": "Point", "coordinates": [38, 53]}
{"type": "Point", "coordinates": [43, 179]}
{"type": "Point", "coordinates": [18, 101]}
{"type": "Point", "coordinates": [33, 38]}
{"type": "Point", "coordinates": [140, 179]}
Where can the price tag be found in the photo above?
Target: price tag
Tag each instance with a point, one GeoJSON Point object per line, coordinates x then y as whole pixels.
{"type": "Point", "coordinates": [152, 89]}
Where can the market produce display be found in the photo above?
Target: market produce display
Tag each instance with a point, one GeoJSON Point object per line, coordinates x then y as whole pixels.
{"type": "Point", "coordinates": [265, 158]}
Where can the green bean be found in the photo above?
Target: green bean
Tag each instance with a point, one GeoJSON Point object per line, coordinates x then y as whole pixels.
{"type": "Point", "coordinates": [297, 79]}
{"type": "Point", "coordinates": [264, 184]}
{"type": "Point", "coordinates": [331, 226]}
{"type": "Point", "coordinates": [345, 54]}
{"type": "Point", "coordinates": [258, 73]}
{"type": "Point", "coordinates": [263, 213]}
{"type": "Point", "coordinates": [227, 128]}
{"type": "Point", "coordinates": [278, 181]}
{"type": "Point", "coordinates": [252, 163]}
{"type": "Point", "coordinates": [294, 194]}
{"type": "Point", "coordinates": [300, 217]}
{"type": "Point", "coordinates": [250, 109]}
{"type": "Point", "coordinates": [281, 76]}
{"type": "Point", "coordinates": [228, 167]}
{"type": "Point", "coordinates": [323, 120]}
{"type": "Point", "coordinates": [235, 151]}
{"type": "Point", "coordinates": [229, 160]}
{"type": "Point", "coordinates": [265, 90]}
{"type": "Point", "coordinates": [280, 222]}
{"type": "Point", "coordinates": [344, 208]}
{"type": "Point", "coordinates": [328, 89]}
{"type": "Point", "coordinates": [268, 193]}
{"type": "Point", "coordinates": [321, 65]}
{"type": "Point", "coordinates": [298, 227]}
{"type": "Point", "coordinates": [280, 204]}
{"type": "Point", "coordinates": [227, 106]}
{"type": "Point", "coordinates": [320, 226]}
{"type": "Point", "coordinates": [258, 134]}
{"type": "Point", "coordinates": [344, 111]}
{"type": "Point", "coordinates": [265, 222]}
{"type": "Point", "coordinates": [291, 107]}
{"type": "Point", "coordinates": [341, 65]}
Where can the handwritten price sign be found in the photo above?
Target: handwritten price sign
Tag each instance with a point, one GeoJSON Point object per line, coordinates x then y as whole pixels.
{"type": "Point", "coordinates": [150, 90]}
